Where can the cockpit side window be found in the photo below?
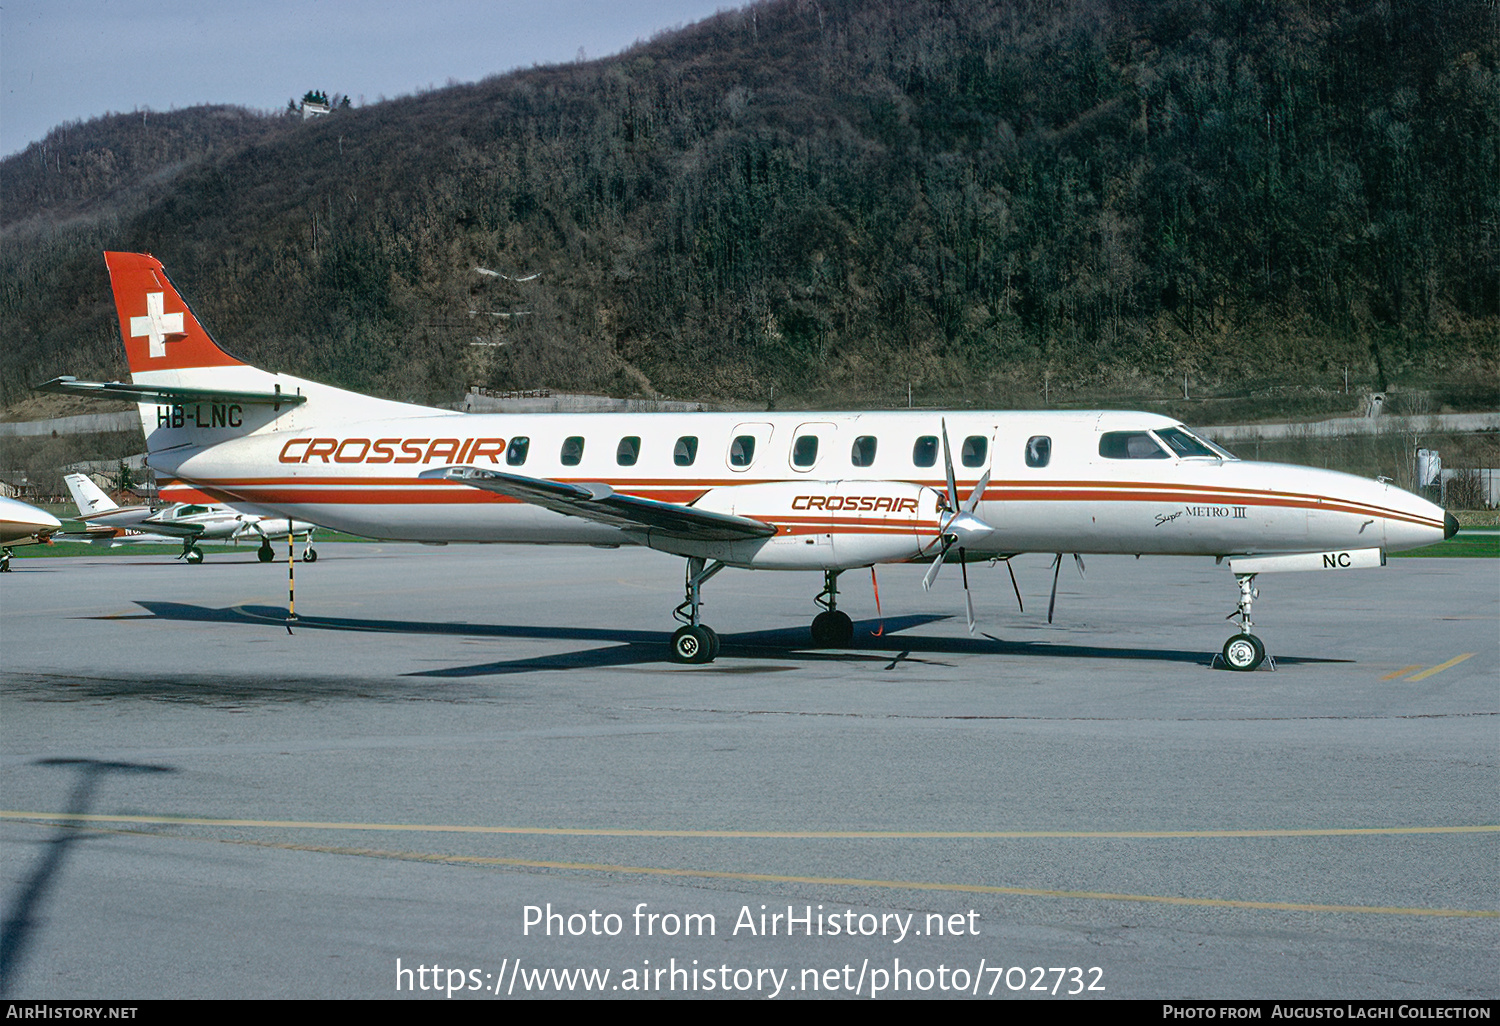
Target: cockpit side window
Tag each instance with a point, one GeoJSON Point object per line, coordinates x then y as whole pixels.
{"type": "Point", "coordinates": [1130, 445]}
{"type": "Point", "coordinates": [1184, 443]}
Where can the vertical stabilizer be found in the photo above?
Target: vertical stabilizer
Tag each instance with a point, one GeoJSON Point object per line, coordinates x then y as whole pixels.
{"type": "Point", "coordinates": [159, 329]}
{"type": "Point", "coordinates": [87, 496]}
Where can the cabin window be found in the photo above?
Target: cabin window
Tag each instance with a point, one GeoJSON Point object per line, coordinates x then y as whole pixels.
{"type": "Point", "coordinates": [924, 452]}
{"type": "Point", "coordinates": [1038, 451]}
{"type": "Point", "coordinates": [628, 451]}
{"type": "Point", "coordinates": [572, 451]}
{"type": "Point", "coordinates": [1185, 444]}
{"type": "Point", "coordinates": [1130, 445]}
{"type": "Point", "coordinates": [685, 451]}
{"type": "Point", "coordinates": [805, 451]}
{"type": "Point", "coordinates": [974, 450]}
{"type": "Point", "coordinates": [742, 451]}
{"type": "Point", "coordinates": [515, 452]}
{"type": "Point", "coordinates": [863, 453]}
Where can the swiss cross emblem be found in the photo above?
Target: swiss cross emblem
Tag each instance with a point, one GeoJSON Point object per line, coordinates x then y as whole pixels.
{"type": "Point", "coordinates": [157, 325]}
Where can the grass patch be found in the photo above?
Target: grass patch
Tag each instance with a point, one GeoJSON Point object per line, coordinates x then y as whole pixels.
{"type": "Point", "coordinates": [1469, 543]}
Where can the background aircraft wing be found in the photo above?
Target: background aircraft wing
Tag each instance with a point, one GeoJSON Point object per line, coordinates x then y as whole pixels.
{"type": "Point", "coordinates": [167, 527]}
{"type": "Point", "coordinates": [602, 504]}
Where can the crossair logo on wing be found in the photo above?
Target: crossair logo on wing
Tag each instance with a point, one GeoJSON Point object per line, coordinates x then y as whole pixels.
{"type": "Point", "coordinates": [392, 450]}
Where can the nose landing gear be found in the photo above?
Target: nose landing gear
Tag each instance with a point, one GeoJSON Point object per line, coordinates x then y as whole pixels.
{"type": "Point", "coordinates": [1245, 651]}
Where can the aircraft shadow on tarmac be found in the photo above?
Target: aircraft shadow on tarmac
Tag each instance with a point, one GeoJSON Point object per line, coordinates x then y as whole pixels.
{"type": "Point", "coordinates": [893, 644]}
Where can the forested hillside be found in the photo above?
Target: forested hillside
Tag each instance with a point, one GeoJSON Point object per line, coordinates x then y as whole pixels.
{"type": "Point", "coordinates": [830, 200]}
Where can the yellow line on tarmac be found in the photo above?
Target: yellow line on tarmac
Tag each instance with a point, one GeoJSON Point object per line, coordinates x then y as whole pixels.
{"type": "Point", "coordinates": [1439, 668]}
{"type": "Point", "coordinates": [1401, 672]}
{"type": "Point", "coordinates": [829, 881]}
{"type": "Point", "coordinates": [908, 885]}
{"type": "Point", "coordinates": [962, 835]}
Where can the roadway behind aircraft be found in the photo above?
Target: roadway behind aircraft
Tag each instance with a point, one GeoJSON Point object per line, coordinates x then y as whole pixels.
{"type": "Point", "coordinates": [818, 491]}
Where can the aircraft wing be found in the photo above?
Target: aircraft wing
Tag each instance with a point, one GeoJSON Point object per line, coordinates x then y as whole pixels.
{"type": "Point", "coordinates": [169, 528]}
{"type": "Point", "coordinates": [602, 504]}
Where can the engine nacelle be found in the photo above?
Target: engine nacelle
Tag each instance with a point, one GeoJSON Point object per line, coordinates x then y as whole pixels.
{"type": "Point", "coordinates": [822, 525]}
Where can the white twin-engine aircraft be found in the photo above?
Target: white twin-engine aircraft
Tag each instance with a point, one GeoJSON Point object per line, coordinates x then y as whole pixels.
{"type": "Point", "coordinates": [784, 491]}
{"type": "Point", "coordinates": [187, 522]}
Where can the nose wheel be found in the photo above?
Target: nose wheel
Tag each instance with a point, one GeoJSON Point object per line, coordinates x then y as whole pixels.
{"type": "Point", "coordinates": [1244, 652]}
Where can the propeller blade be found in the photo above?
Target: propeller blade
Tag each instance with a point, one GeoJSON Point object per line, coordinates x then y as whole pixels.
{"type": "Point", "coordinates": [1052, 602]}
{"type": "Point", "coordinates": [963, 565]}
{"type": "Point", "coordinates": [948, 468]}
{"type": "Point", "coordinates": [972, 502]}
{"type": "Point", "coordinates": [937, 564]}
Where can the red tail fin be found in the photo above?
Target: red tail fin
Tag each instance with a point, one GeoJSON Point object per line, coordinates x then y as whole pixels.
{"type": "Point", "coordinates": [159, 329]}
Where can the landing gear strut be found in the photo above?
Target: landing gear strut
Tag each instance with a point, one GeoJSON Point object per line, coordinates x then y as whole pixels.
{"type": "Point", "coordinates": [694, 642]}
{"type": "Point", "coordinates": [831, 628]}
{"type": "Point", "coordinates": [1245, 651]}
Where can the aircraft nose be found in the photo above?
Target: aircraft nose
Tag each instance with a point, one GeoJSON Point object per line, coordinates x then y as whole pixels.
{"type": "Point", "coordinates": [1450, 526]}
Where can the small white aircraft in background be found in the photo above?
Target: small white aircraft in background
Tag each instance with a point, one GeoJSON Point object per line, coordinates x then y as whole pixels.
{"type": "Point", "coordinates": [186, 522]}
{"type": "Point", "coordinates": [23, 524]}
{"type": "Point", "coordinates": [779, 491]}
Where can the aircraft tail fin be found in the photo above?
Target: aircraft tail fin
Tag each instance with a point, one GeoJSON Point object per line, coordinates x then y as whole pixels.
{"type": "Point", "coordinates": [87, 496]}
{"type": "Point", "coordinates": [159, 328]}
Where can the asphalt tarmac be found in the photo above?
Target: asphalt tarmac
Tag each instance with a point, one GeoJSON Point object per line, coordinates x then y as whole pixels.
{"type": "Point", "coordinates": [195, 802]}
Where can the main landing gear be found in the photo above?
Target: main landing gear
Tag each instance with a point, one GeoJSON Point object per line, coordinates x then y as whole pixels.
{"type": "Point", "coordinates": [831, 628]}
{"type": "Point", "coordinates": [266, 554]}
{"type": "Point", "coordinates": [1245, 651]}
{"type": "Point", "coordinates": [5, 561]}
{"type": "Point", "coordinates": [694, 642]}
{"type": "Point", "coordinates": [190, 552]}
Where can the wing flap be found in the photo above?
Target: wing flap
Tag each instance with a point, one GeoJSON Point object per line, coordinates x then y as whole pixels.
{"type": "Point", "coordinates": [602, 504]}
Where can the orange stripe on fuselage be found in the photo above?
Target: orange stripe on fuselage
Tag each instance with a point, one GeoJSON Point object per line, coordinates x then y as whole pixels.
{"type": "Point", "coordinates": [280, 491]}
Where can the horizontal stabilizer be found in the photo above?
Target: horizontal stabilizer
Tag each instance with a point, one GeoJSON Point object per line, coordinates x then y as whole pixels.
{"type": "Point", "coordinates": [166, 394]}
{"type": "Point", "coordinates": [602, 504]}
